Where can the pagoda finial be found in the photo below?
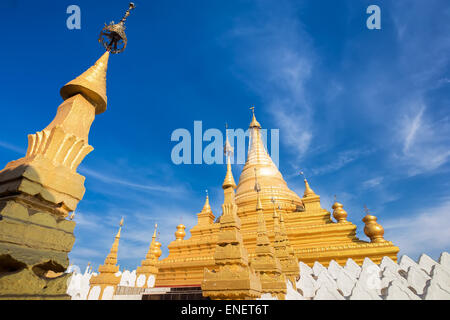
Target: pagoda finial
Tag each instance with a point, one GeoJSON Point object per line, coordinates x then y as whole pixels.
{"type": "Point", "coordinates": [180, 233]}
{"type": "Point", "coordinates": [372, 229]}
{"type": "Point", "coordinates": [338, 211]}
{"type": "Point", "coordinates": [254, 123]}
{"type": "Point", "coordinates": [113, 37]}
{"type": "Point", "coordinates": [308, 191]}
{"type": "Point", "coordinates": [228, 151]}
{"type": "Point", "coordinates": [154, 232]}
{"type": "Point", "coordinates": [206, 206]}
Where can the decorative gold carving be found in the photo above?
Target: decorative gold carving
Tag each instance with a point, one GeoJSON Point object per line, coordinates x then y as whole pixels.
{"type": "Point", "coordinates": [180, 233]}
{"type": "Point", "coordinates": [339, 213]}
{"type": "Point", "coordinates": [372, 229]}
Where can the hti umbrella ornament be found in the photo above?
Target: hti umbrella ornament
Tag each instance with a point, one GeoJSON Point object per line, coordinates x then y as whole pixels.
{"type": "Point", "coordinates": [113, 35]}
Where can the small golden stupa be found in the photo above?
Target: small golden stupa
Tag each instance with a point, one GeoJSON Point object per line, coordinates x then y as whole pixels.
{"type": "Point", "coordinates": [148, 266]}
{"type": "Point", "coordinates": [107, 272]}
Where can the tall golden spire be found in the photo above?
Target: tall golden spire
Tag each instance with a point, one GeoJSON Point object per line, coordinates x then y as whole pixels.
{"type": "Point", "coordinates": [268, 173]}
{"type": "Point", "coordinates": [232, 277]}
{"type": "Point", "coordinates": [265, 261]}
{"type": "Point", "coordinates": [228, 151]}
{"type": "Point", "coordinates": [111, 259]}
{"type": "Point", "coordinates": [107, 271]}
{"type": "Point", "coordinates": [148, 265]}
{"type": "Point", "coordinates": [91, 84]}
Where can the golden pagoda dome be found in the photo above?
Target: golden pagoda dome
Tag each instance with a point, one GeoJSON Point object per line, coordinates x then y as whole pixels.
{"type": "Point", "coordinates": [269, 177]}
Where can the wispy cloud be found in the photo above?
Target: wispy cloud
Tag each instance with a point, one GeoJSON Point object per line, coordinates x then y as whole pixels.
{"type": "Point", "coordinates": [112, 179]}
{"type": "Point", "coordinates": [427, 230]}
{"type": "Point", "coordinates": [425, 142]}
{"type": "Point", "coordinates": [279, 56]}
{"type": "Point", "coordinates": [372, 183]}
{"type": "Point", "coordinates": [341, 160]}
{"type": "Point", "coordinates": [411, 128]}
{"type": "Point", "coordinates": [12, 147]}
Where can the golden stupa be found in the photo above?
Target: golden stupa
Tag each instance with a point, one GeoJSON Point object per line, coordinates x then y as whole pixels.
{"type": "Point", "coordinates": [298, 228]}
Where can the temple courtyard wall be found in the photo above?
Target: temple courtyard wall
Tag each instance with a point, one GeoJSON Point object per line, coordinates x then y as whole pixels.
{"type": "Point", "coordinates": [424, 279]}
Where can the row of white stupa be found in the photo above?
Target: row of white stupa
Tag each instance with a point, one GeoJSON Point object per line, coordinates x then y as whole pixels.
{"type": "Point", "coordinates": [425, 279]}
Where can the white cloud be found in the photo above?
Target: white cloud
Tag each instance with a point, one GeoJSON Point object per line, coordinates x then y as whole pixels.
{"type": "Point", "coordinates": [341, 160]}
{"type": "Point", "coordinates": [112, 179]}
{"type": "Point", "coordinates": [411, 127]}
{"type": "Point", "coordinates": [280, 62]}
{"type": "Point", "coordinates": [425, 142]}
{"type": "Point", "coordinates": [372, 183]}
{"type": "Point", "coordinates": [426, 231]}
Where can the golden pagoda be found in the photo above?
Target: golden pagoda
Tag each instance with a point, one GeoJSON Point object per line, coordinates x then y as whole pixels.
{"type": "Point", "coordinates": [309, 233]}
{"type": "Point", "coordinates": [148, 266]}
{"type": "Point", "coordinates": [106, 279]}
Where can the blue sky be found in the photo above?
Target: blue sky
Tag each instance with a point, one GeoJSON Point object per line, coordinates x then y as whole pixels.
{"type": "Point", "coordinates": [364, 113]}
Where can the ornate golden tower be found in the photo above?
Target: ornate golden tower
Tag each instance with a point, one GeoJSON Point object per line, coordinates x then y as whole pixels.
{"type": "Point", "coordinates": [38, 191]}
{"type": "Point", "coordinates": [231, 277]}
{"type": "Point", "coordinates": [283, 250]}
{"type": "Point", "coordinates": [106, 277]}
{"type": "Point", "coordinates": [265, 261]}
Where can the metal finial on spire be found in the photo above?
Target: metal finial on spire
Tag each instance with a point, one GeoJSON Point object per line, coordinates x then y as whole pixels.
{"type": "Point", "coordinates": [121, 222]}
{"type": "Point", "coordinates": [366, 210]}
{"type": "Point", "coordinates": [302, 174]}
{"type": "Point", "coordinates": [113, 36]}
{"type": "Point", "coordinates": [254, 123]}
{"type": "Point", "coordinates": [207, 194]}
{"type": "Point", "coordinates": [228, 150]}
{"type": "Point", "coordinates": [335, 198]}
